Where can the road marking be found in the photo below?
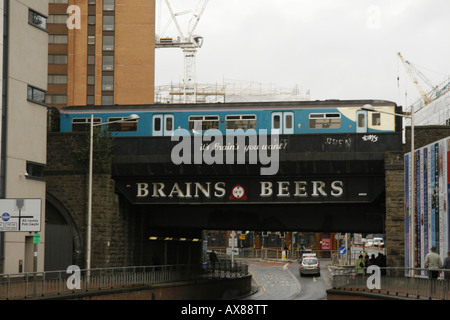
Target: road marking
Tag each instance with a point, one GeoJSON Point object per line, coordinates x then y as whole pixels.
{"type": "Point", "coordinates": [299, 287]}
{"type": "Point", "coordinates": [259, 285]}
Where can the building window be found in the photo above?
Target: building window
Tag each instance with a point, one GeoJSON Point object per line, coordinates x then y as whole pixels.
{"type": "Point", "coordinates": [57, 79]}
{"type": "Point", "coordinates": [57, 59]}
{"type": "Point", "coordinates": [107, 100]}
{"type": "Point", "coordinates": [108, 5]}
{"type": "Point", "coordinates": [57, 18]}
{"type": "Point", "coordinates": [36, 95]}
{"type": "Point", "coordinates": [57, 39]}
{"type": "Point", "coordinates": [37, 20]}
{"type": "Point", "coordinates": [108, 63]}
{"type": "Point", "coordinates": [91, 80]}
{"type": "Point", "coordinates": [35, 170]}
{"type": "Point", "coordinates": [56, 99]}
{"type": "Point", "coordinates": [91, 20]}
{"type": "Point", "coordinates": [108, 43]}
{"type": "Point", "coordinates": [90, 100]}
{"type": "Point", "coordinates": [108, 83]}
{"type": "Point", "coordinates": [108, 23]}
{"type": "Point", "coordinates": [91, 59]}
{"type": "Point", "coordinates": [91, 39]}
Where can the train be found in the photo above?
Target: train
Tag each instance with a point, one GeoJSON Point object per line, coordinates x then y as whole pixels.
{"type": "Point", "coordinates": [284, 117]}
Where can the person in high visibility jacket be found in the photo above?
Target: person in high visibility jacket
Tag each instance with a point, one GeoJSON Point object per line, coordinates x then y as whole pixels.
{"type": "Point", "coordinates": [360, 265]}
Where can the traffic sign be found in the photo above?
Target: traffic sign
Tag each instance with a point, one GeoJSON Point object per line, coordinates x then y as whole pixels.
{"type": "Point", "coordinates": [20, 215]}
{"type": "Point", "coordinates": [342, 250]}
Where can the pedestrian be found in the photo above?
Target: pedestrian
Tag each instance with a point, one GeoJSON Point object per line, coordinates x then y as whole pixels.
{"type": "Point", "coordinates": [360, 265]}
{"type": "Point", "coordinates": [213, 259]}
{"type": "Point", "coordinates": [381, 262]}
{"type": "Point", "coordinates": [433, 262]}
{"type": "Point", "coordinates": [372, 260]}
{"type": "Point", "coordinates": [446, 265]}
{"type": "Point", "coordinates": [366, 260]}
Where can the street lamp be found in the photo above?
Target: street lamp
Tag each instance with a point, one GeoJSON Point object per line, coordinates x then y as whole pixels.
{"type": "Point", "coordinates": [91, 153]}
{"type": "Point", "coordinates": [370, 108]}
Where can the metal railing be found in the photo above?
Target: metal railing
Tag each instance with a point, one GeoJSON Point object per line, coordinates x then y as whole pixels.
{"type": "Point", "coordinates": [57, 283]}
{"type": "Point", "coordinates": [273, 253]}
{"type": "Point", "coordinates": [398, 282]}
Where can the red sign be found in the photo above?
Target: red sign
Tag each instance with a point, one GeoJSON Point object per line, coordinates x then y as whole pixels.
{"type": "Point", "coordinates": [326, 244]}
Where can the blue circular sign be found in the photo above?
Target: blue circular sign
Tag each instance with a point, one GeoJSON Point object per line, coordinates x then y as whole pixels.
{"type": "Point", "coordinates": [6, 216]}
{"type": "Point", "coordinates": [342, 250]}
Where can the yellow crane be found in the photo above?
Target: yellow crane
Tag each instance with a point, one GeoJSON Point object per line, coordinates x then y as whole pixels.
{"type": "Point", "coordinates": [425, 97]}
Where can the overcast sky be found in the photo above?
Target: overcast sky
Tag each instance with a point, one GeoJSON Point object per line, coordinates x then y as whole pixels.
{"type": "Point", "coordinates": [337, 49]}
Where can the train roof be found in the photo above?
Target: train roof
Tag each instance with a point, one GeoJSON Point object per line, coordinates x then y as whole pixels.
{"type": "Point", "coordinates": [227, 106]}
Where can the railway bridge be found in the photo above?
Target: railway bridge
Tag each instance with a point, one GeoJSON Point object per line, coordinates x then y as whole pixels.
{"type": "Point", "coordinates": [148, 209]}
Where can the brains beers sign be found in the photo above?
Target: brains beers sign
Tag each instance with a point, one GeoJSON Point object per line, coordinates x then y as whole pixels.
{"type": "Point", "coordinates": [250, 191]}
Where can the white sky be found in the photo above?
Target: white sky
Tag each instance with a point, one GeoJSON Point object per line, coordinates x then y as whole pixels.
{"type": "Point", "coordinates": [337, 49]}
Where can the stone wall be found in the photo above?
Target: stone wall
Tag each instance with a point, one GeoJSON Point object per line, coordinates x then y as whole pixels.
{"type": "Point", "coordinates": [394, 224]}
{"type": "Point", "coordinates": [113, 224]}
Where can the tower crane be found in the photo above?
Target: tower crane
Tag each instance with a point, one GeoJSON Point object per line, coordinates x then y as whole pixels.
{"type": "Point", "coordinates": [189, 44]}
{"type": "Point", "coordinates": [411, 71]}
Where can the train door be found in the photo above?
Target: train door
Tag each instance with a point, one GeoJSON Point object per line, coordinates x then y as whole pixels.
{"type": "Point", "coordinates": [361, 121]}
{"type": "Point", "coordinates": [163, 125]}
{"type": "Point", "coordinates": [283, 122]}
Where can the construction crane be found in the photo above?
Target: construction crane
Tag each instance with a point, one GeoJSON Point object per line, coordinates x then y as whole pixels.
{"type": "Point", "coordinates": [411, 71]}
{"type": "Point", "coordinates": [189, 43]}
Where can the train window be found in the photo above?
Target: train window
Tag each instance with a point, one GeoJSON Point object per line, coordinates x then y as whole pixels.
{"type": "Point", "coordinates": [361, 120]}
{"type": "Point", "coordinates": [376, 119]}
{"type": "Point", "coordinates": [288, 121]}
{"type": "Point", "coordinates": [126, 125]}
{"type": "Point", "coordinates": [203, 122]}
{"type": "Point", "coordinates": [157, 125]}
{"type": "Point", "coordinates": [83, 124]}
{"type": "Point", "coordinates": [325, 120]}
{"type": "Point", "coordinates": [276, 122]}
{"type": "Point", "coordinates": [169, 123]}
{"type": "Point", "coordinates": [243, 122]}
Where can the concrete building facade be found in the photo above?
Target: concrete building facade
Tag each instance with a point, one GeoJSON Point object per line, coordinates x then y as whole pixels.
{"type": "Point", "coordinates": [23, 62]}
{"type": "Point", "coordinates": [101, 52]}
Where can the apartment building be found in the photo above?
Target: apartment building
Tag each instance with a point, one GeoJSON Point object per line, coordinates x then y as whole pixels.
{"type": "Point", "coordinates": [23, 134]}
{"type": "Point", "coordinates": [105, 56]}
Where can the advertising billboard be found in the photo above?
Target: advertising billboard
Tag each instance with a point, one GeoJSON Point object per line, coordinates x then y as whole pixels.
{"type": "Point", "coordinates": [427, 224]}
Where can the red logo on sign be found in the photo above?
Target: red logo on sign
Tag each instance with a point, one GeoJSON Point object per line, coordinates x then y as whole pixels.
{"type": "Point", "coordinates": [238, 193]}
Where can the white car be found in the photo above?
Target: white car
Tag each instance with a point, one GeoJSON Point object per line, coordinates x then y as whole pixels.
{"type": "Point", "coordinates": [310, 265]}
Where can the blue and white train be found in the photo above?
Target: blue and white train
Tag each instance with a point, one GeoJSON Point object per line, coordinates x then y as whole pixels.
{"type": "Point", "coordinates": [287, 117]}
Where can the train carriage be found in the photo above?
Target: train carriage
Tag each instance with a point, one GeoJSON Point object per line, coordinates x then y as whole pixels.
{"type": "Point", "coordinates": [287, 117]}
